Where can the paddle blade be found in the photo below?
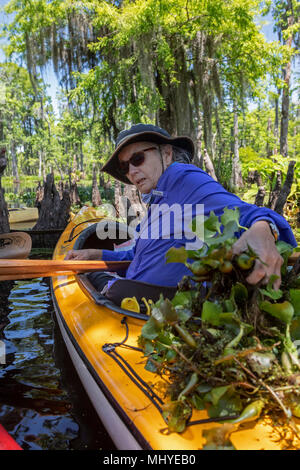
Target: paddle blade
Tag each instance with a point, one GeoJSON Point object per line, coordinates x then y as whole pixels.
{"type": "Point", "coordinates": [16, 245]}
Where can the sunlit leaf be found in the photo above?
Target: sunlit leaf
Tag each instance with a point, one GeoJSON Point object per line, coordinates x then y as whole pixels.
{"type": "Point", "coordinates": [230, 215]}
{"type": "Point", "coordinates": [176, 255]}
{"type": "Point", "coordinates": [284, 311]}
{"type": "Point", "coordinates": [212, 223]}
{"type": "Point", "coordinates": [182, 298]}
{"type": "Point", "coordinates": [176, 415]}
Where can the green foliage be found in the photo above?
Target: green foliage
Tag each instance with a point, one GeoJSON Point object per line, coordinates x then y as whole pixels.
{"type": "Point", "coordinates": [229, 351]}
{"type": "Point", "coordinates": [176, 63]}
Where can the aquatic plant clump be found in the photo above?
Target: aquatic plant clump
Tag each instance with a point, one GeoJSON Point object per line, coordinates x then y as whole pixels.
{"type": "Point", "coordinates": [221, 344]}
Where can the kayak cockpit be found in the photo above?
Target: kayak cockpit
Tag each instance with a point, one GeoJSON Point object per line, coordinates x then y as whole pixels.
{"type": "Point", "coordinates": [118, 235]}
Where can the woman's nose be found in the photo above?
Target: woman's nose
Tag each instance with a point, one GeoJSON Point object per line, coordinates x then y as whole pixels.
{"type": "Point", "coordinates": [132, 169]}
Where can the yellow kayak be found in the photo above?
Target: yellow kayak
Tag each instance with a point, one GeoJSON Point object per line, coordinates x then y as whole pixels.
{"type": "Point", "coordinates": [23, 219]}
{"type": "Point", "coordinates": [102, 342]}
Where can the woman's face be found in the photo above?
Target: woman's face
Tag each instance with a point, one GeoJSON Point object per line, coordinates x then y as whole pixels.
{"type": "Point", "coordinates": [146, 175]}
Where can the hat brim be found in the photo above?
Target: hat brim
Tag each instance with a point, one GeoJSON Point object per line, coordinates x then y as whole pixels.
{"type": "Point", "coordinates": [112, 165]}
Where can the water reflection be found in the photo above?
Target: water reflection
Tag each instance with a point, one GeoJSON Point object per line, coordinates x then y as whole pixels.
{"type": "Point", "coordinates": [42, 403]}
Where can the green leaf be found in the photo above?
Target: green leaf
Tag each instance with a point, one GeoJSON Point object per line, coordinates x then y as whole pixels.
{"type": "Point", "coordinates": [184, 314]}
{"type": "Point", "coordinates": [157, 316]}
{"type": "Point", "coordinates": [197, 402]}
{"type": "Point", "coordinates": [150, 366]}
{"type": "Point", "coordinates": [182, 298]}
{"type": "Point", "coordinates": [166, 338]}
{"type": "Point", "coordinates": [295, 329]}
{"type": "Point", "coordinates": [269, 291]}
{"type": "Point", "coordinates": [176, 255]}
{"type": "Point", "coordinates": [168, 311]}
{"type": "Point", "coordinates": [284, 249]}
{"type": "Point", "coordinates": [284, 311]}
{"type": "Point", "coordinates": [227, 405]}
{"type": "Point", "coordinates": [196, 226]}
{"type": "Point", "coordinates": [239, 294]}
{"type": "Point", "coordinates": [170, 355]}
{"type": "Point", "coordinates": [148, 347]}
{"type": "Point", "coordinates": [211, 313]}
{"type": "Point", "coordinates": [212, 223]}
{"type": "Point", "coordinates": [227, 235]}
{"type": "Point", "coordinates": [295, 300]}
{"type": "Point", "coordinates": [150, 329]}
{"type": "Point", "coordinates": [217, 393]}
{"type": "Point", "coordinates": [203, 388]}
{"type": "Point", "coordinates": [230, 215]}
{"type": "Point", "coordinates": [229, 318]}
{"type": "Point", "coordinates": [176, 414]}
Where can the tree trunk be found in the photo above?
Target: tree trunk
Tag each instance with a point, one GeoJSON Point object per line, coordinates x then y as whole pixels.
{"type": "Point", "coordinates": [40, 164]}
{"type": "Point", "coordinates": [286, 188]}
{"type": "Point", "coordinates": [4, 223]}
{"type": "Point", "coordinates": [118, 198]}
{"type": "Point", "coordinates": [276, 123]}
{"type": "Point", "coordinates": [209, 167]}
{"type": "Point", "coordinates": [237, 180]}
{"type": "Point", "coordinates": [54, 212]}
{"type": "Point", "coordinates": [96, 198]}
{"type": "Point", "coordinates": [136, 210]}
{"type": "Point", "coordinates": [284, 125]}
{"type": "Point", "coordinates": [260, 196]}
{"type": "Point", "coordinates": [275, 192]}
{"type": "Point", "coordinates": [269, 128]}
{"type": "Point", "coordinates": [39, 195]}
{"type": "Point", "coordinates": [199, 156]}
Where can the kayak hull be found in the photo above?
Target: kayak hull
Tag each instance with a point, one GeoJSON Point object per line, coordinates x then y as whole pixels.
{"type": "Point", "coordinates": [119, 434]}
{"type": "Point", "coordinates": [6, 441]}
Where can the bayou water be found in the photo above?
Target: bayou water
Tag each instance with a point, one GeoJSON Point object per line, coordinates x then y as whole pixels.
{"type": "Point", "coordinates": [42, 402]}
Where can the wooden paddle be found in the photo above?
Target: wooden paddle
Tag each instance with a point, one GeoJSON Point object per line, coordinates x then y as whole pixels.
{"type": "Point", "coordinates": [11, 269]}
{"type": "Point", "coordinates": [15, 245]}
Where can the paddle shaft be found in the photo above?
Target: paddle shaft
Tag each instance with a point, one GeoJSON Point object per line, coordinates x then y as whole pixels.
{"type": "Point", "coordinates": [26, 269]}
{"type": "Point", "coordinates": [11, 269]}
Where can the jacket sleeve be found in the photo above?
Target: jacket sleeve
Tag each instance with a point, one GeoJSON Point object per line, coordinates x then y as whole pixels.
{"type": "Point", "coordinates": [199, 187]}
{"type": "Point", "coordinates": [109, 255]}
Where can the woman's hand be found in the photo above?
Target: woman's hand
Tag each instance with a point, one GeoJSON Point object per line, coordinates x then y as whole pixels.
{"type": "Point", "coordinates": [88, 254]}
{"type": "Point", "coordinates": [261, 240]}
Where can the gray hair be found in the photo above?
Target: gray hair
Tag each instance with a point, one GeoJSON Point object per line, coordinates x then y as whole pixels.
{"type": "Point", "coordinates": [180, 155]}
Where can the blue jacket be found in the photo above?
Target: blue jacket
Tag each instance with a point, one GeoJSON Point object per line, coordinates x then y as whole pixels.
{"type": "Point", "coordinates": [185, 184]}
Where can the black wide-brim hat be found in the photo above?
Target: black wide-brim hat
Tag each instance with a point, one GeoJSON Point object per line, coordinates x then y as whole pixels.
{"type": "Point", "coordinates": [140, 133]}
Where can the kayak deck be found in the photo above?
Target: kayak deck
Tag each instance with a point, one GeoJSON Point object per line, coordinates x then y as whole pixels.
{"type": "Point", "coordinates": [23, 218]}
{"type": "Point", "coordinates": [107, 346]}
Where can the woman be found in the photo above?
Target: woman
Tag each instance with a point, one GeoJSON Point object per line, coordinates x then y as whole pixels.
{"type": "Point", "coordinates": [159, 166]}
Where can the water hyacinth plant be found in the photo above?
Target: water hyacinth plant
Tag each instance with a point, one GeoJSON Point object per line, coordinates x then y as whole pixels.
{"type": "Point", "coordinates": [221, 344]}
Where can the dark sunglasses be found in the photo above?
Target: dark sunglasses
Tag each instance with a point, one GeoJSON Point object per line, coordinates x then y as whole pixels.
{"type": "Point", "coordinates": [136, 159]}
